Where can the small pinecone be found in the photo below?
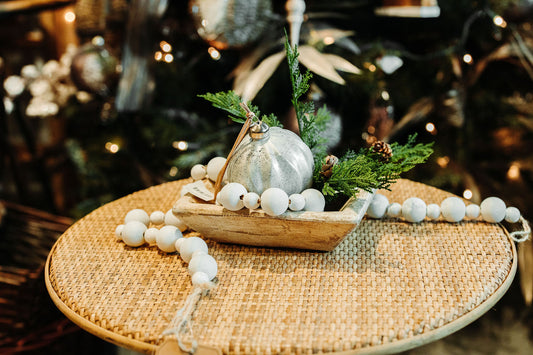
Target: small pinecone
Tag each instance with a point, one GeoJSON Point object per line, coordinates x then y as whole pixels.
{"type": "Point", "coordinates": [383, 149]}
{"type": "Point", "coordinates": [327, 168]}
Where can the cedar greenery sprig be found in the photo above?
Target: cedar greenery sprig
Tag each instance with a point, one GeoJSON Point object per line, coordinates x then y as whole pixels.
{"type": "Point", "coordinates": [366, 170]}
{"type": "Point", "coordinates": [310, 124]}
{"type": "Point", "coordinates": [230, 102]}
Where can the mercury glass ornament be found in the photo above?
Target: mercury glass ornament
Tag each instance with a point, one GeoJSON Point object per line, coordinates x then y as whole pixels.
{"type": "Point", "coordinates": [271, 157]}
{"type": "Point", "coordinates": [231, 23]}
{"type": "Point", "coordinates": [94, 69]}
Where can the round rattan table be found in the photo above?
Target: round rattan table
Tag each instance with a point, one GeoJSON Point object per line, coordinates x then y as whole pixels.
{"type": "Point", "coordinates": [388, 287]}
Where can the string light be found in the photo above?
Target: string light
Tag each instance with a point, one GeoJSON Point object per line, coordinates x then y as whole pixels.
{"type": "Point", "coordinates": [328, 40]}
{"type": "Point", "coordinates": [70, 16]}
{"type": "Point", "coordinates": [443, 161]}
{"type": "Point", "coordinates": [173, 171]}
{"type": "Point", "coordinates": [430, 127]}
{"type": "Point", "coordinates": [112, 147]}
{"type": "Point", "coordinates": [514, 171]}
{"type": "Point", "coordinates": [467, 58]}
{"type": "Point", "coordinates": [213, 53]}
{"type": "Point", "coordinates": [165, 46]}
{"type": "Point", "coordinates": [98, 41]}
{"type": "Point", "coordinates": [158, 55]}
{"type": "Point", "coordinates": [499, 21]}
{"type": "Point", "coordinates": [371, 67]}
{"type": "Point", "coordinates": [467, 194]}
{"type": "Point", "coordinates": [168, 58]}
{"type": "Point", "coordinates": [385, 95]}
{"type": "Point", "coordinates": [180, 145]}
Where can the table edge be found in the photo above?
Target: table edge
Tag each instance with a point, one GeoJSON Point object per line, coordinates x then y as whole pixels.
{"type": "Point", "coordinates": [449, 328]}
{"type": "Point", "coordinates": [87, 325]}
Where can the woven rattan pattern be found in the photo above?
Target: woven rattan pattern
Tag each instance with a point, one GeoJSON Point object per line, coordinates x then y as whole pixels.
{"type": "Point", "coordinates": [388, 281]}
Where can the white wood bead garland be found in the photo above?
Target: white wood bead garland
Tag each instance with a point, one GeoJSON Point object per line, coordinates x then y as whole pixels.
{"type": "Point", "coordinates": [274, 201]}
{"type": "Point", "coordinates": [202, 267]}
{"type": "Point", "coordinates": [214, 166]}
{"type": "Point", "coordinates": [198, 172]}
{"type": "Point", "coordinates": [452, 209]}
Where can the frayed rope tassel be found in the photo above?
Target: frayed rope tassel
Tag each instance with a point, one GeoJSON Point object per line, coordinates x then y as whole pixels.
{"type": "Point", "coordinates": [523, 235]}
{"type": "Point", "coordinates": [180, 326]}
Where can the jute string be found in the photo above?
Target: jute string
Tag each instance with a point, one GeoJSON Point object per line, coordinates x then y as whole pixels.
{"type": "Point", "coordinates": [523, 235]}
{"type": "Point", "coordinates": [180, 326]}
{"type": "Point", "coordinates": [249, 118]}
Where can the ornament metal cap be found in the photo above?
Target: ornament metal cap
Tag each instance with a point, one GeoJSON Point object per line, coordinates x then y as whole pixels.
{"type": "Point", "coordinates": [259, 130]}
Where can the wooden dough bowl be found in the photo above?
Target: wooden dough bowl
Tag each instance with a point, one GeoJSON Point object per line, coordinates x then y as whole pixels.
{"type": "Point", "coordinates": [300, 230]}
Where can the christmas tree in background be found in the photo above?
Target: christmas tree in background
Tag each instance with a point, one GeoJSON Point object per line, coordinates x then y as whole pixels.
{"type": "Point", "coordinates": [458, 73]}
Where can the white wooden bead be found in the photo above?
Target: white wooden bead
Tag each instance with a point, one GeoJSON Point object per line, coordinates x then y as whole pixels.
{"type": "Point", "coordinates": [512, 214]}
{"type": "Point", "coordinates": [204, 263]}
{"type": "Point", "coordinates": [198, 252]}
{"type": "Point", "coordinates": [472, 211]}
{"type": "Point", "coordinates": [394, 210]}
{"type": "Point", "coordinates": [157, 217]}
{"type": "Point", "coordinates": [133, 233]}
{"type": "Point", "coordinates": [414, 209]}
{"type": "Point", "coordinates": [178, 243]}
{"type": "Point", "coordinates": [190, 245]}
{"type": "Point", "coordinates": [453, 209]}
{"type": "Point", "coordinates": [166, 238]}
{"type": "Point", "coordinates": [274, 201]}
{"type": "Point", "coordinates": [493, 210]}
{"type": "Point", "coordinates": [251, 200]}
{"type": "Point", "coordinates": [433, 211]}
{"type": "Point", "coordinates": [200, 279]}
{"type": "Point", "coordinates": [198, 172]}
{"type": "Point", "coordinates": [378, 206]}
{"type": "Point", "coordinates": [118, 232]}
{"type": "Point", "coordinates": [314, 200]}
{"type": "Point", "coordinates": [214, 166]}
{"type": "Point", "coordinates": [231, 195]}
{"type": "Point", "coordinates": [137, 214]}
{"type": "Point", "coordinates": [150, 235]}
{"type": "Point", "coordinates": [296, 202]}
{"type": "Point", "coordinates": [172, 220]}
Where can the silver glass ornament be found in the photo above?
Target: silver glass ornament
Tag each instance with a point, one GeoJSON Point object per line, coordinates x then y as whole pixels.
{"type": "Point", "coordinates": [231, 23]}
{"type": "Point", "coordinates": [271, 157]}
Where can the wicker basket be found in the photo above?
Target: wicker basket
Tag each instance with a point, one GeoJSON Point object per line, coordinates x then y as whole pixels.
{"type": "Point", "coordinates": [28, 320]}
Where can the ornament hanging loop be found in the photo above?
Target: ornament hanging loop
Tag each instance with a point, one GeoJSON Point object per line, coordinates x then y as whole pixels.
{"type": "Point", "coordinates": [250, 117]}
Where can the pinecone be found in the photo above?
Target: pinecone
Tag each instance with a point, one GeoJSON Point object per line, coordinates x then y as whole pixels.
{"type": "Point", "coordinates": [383, 149]}
{"type": "Point", "coordinates": [327, 168]}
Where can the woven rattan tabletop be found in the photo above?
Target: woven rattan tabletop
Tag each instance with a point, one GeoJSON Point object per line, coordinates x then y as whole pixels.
{"type": "Point", "coordinates": [388, 287]}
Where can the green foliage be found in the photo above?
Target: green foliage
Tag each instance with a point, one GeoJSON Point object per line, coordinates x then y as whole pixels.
{"type": "Point", "coordinates": [230, 102]}
{"type": "Point", "coordinates": [366, 170]}
{"type": "Point", "coordinates": [314, 123]}
{"type": "Point", "coordinates": [309, 122]}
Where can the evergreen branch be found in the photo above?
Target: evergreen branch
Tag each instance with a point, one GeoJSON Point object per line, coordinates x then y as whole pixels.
{"type": "Point", "coordinates": [300, 85]}
{"type": "Point", "coordinates": [366, 169]}
{"type": "Point", "coordinates": [271, 120]}
{"type": "Point", "coordinates": [229, 101]}
{"type": "Point", "coordinates": [309, 123]}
